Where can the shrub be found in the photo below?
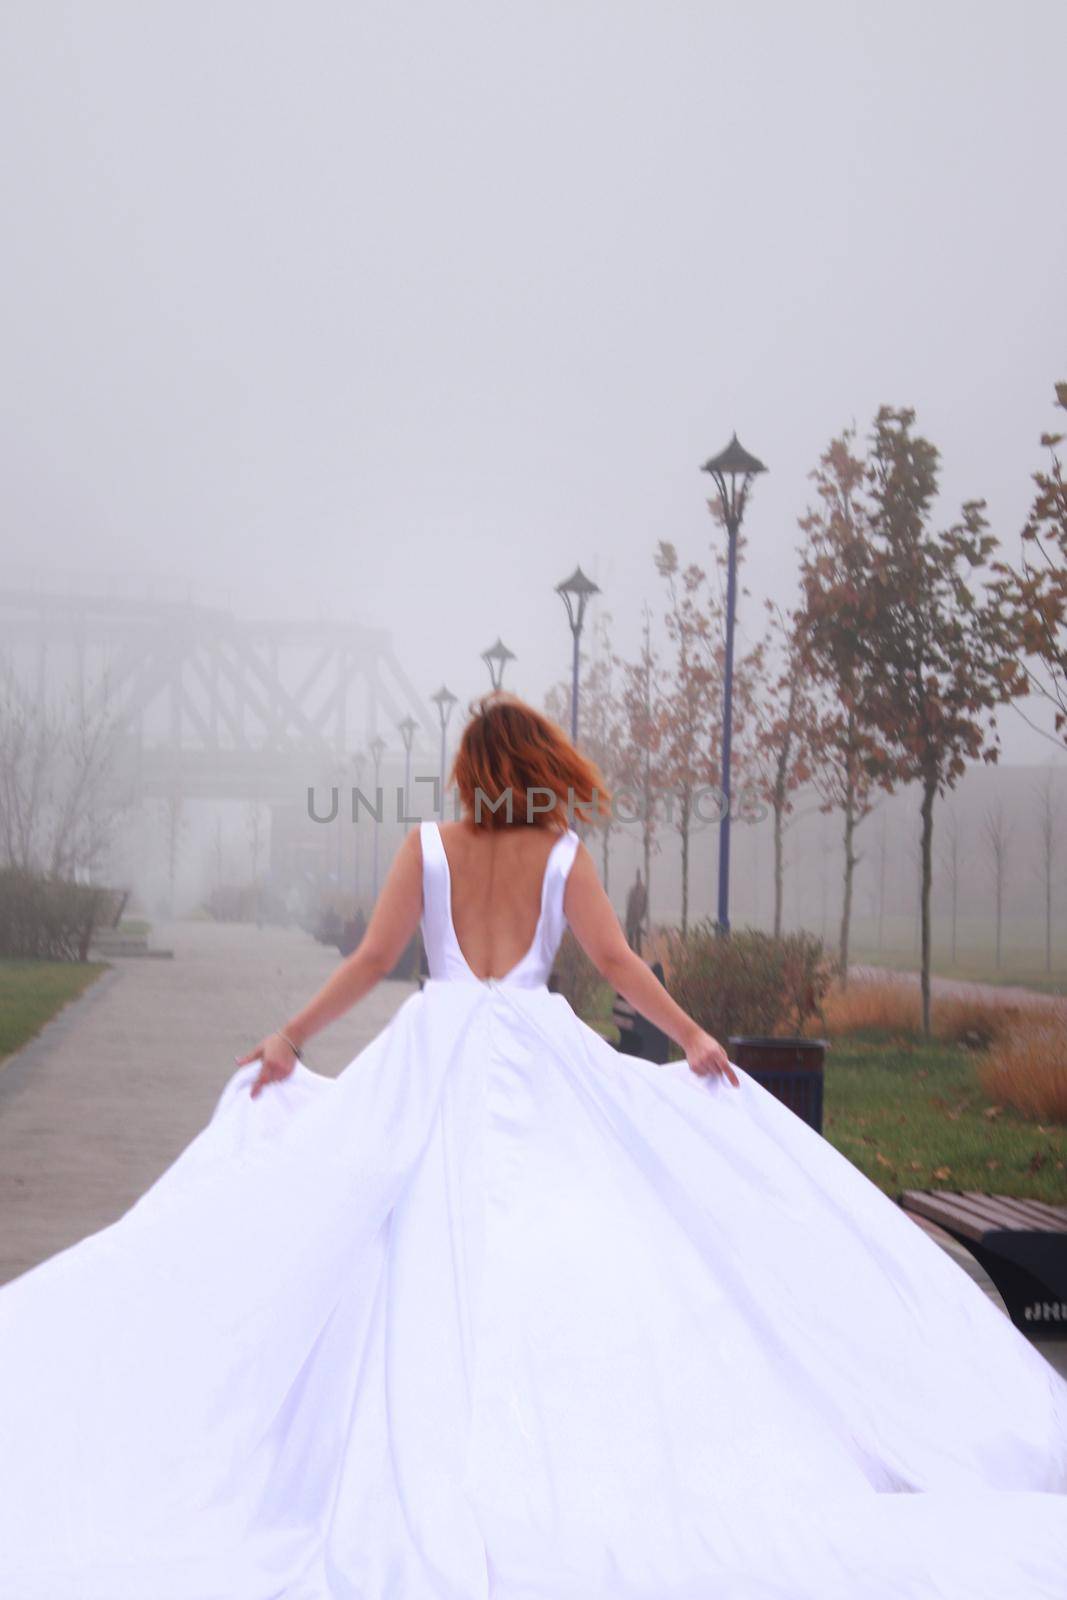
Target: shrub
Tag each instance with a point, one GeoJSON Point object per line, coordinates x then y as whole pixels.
{"type": "Point", "coordinates": [1027, 1066]}
{"type": "Point", "coordinates": [48, 919]}
{"type": "Point", "coordinates": [748, 983]}
{"type": "Point", "coordinates": [574, 975]}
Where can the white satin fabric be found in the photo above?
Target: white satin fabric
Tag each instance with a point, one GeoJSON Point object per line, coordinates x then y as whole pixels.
{"type": "Point", "coordinates": [502, 1313]}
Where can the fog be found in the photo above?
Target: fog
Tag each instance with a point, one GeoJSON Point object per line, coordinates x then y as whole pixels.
{"type": "Point", "coordinates": [392, 314]}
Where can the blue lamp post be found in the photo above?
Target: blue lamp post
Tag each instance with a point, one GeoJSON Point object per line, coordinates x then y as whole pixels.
{"type": "Point", "coordinates": [732, 471]}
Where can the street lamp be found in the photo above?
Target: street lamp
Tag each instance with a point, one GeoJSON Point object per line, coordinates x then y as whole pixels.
{"type": "Point", "coordinates": [444, 700]}
{"type": "Point", "coordinates": [359, 760]}
{"type": "Point", "coordinates": [377, 750]}
{"type": "Point", "coordinates": [496, 659]}
{"type": "Point", "coordinates": [732, 470]}
{"type": "Point", "coordinates": [407, 730]}
{"type": "Point", "coordinates": [576, 591]}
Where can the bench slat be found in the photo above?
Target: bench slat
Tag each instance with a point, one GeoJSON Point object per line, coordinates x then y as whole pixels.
{"type": "Point", "coordinates": [970, 1217]}
{"type": "Point", "coordinates": [936, 1208]}
{"type": "Point", "coordinates": [974, 1215]}
{"type": "Point", "coordinates": [1031, 1213]}
{"type": "Point", "coordinates": [999, 1212]}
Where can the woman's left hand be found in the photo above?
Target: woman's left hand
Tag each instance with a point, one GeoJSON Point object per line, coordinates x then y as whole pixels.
{"type": "Point", "coordinates": [278, 1059]}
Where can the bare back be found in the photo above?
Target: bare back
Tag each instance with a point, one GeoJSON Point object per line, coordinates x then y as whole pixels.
{"type": "Point", "coordinates": [497, 876]}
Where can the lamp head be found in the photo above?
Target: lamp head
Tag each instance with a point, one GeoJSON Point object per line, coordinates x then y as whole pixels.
{"type": "Point", "coordinates": [496, 659]}
{"type": "Point", "coordinates": [576, 592]}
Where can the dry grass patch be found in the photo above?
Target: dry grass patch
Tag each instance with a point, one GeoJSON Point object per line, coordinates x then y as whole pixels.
{"type": "Point", "coordinates": [1026, 1067]}
{"type": "Point", "coordinates": [890, 1007]}
{"type": "Point", "coordinates": [882, 1006]}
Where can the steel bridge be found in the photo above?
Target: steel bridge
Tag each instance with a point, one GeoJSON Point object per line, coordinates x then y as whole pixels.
{"type": "Point", "coordinates": [206, 704]}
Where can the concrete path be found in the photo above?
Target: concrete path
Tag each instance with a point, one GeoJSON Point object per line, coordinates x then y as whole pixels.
{"type": "Point", "coordinates": [94, 1109]}
{"type": "Point", "coordinates": [101, 1102]}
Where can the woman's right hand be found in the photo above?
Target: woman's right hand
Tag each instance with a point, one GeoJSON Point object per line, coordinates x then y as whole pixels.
{"type": "Point", "coordinates": [706, 1056]}
{"type": "Point", "coordinates": [277, 1059]}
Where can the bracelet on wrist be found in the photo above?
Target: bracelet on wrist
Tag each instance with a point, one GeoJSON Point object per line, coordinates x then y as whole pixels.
{"type": "Point", "coordinates": [297, 1052]}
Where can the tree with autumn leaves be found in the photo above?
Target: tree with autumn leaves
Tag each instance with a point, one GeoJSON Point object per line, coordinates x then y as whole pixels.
{"type": "Point", "coordinates": [890, 670]}
{"type": "Point", "coordinates": [938, 646]}
{"type": "Point", "coordinates": [849, 757]}
{"type": "Point", "coordinates": [1035, 592]}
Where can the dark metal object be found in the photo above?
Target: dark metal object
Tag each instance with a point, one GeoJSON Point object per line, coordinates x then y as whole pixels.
{"type": "Point", "coordinates": [638, 1036]}
{"type": "Point", "coordinates": [377, 751]}
{"type": "Point", "coordinates": [576, 592]}
{"type": "Point", "coordinates": [444, 700]}
{"type": "Point", "coordinates": [496, 659]}
{"type": "Point", "coordinates": [791, 1069]}
{"type": "Point", "coordinates": [407, 730]}
{"type": "Point", "coordinates": [727, 468]}
{"type": "Point", "coordinates": [1022, 1244]}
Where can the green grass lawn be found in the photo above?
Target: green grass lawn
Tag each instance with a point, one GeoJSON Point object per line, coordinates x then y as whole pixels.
{"type": "Point", "coordinates": [31, 992]}
{"type": "Point", "coordinates": [913, 1116]}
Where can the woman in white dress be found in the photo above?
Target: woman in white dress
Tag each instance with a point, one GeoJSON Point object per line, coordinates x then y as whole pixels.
{"type": "Point", "coordinates": [501, 1314]}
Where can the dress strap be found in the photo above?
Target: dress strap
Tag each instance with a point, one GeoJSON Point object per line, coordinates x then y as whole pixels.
{"type": "Point", "coordinates": [434, 868]}
{"type": "Point", "coordinates": [562, 859]}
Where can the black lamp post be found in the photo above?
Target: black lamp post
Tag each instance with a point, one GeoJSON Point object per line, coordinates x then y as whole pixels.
{"type": "Point", "coordinates": [444, 700]}
{"type": "Point", "coordinates": [576, 591]}
{"type": "Point", "coordinates": [407, 730]}
{"type": "Point", "coordinates": [496, 659]}
{"type": "Point", "coordinates": [733, 470]}
{"type": "Point", "coordinates": [377, 750]}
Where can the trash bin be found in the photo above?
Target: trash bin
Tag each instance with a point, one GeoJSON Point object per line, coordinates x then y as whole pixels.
{"type": "Point", "coordinates": [792, 1069]}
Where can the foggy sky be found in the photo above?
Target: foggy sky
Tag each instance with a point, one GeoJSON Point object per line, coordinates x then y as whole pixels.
{"type": "Point", "coordinates": [396, 311]}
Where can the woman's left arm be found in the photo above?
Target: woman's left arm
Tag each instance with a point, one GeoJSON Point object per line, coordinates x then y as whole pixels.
{"type": "Point", "coordinates": [393, 921]}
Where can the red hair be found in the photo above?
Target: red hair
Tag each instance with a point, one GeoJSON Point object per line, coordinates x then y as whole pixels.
{"type": "Point", "coordinates": [509, 749]}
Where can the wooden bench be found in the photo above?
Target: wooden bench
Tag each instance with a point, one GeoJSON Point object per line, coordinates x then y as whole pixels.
{"type": "Point", "coordinates": [1022, 1244]}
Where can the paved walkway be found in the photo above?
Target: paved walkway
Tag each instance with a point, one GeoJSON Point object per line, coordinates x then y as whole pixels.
{"type": "Point", "coordinates": [94, 1108]}
{"type": "Point", "coordinates": [964, 988]}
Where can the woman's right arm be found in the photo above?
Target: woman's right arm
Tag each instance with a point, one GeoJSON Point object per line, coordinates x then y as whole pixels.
{"type": "Point", "coordinates": [393, 921]}
{"type": "Point", "coordinates": [592, 918]}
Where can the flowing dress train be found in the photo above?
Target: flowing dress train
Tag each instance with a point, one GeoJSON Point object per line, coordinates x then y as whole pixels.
{"type": "Point", "coordinates": [501, 1314]}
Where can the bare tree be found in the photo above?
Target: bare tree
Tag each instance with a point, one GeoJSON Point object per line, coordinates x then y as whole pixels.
{"type": "Point", "coordinates": [30, 740]}
{"type": "Point", "coordinates": [256, 828]}
{"type": "Point", "coordinates": [686, 755]}
{"type": "Point", "coordinates": [954, 859]}
{"type": "Point", "coordinates": [883, 852]}
{"type": "Point", "coordinates": [641, 741]}
{"type": "Point", "coordinates": [780, 755]}
{"type": "Point", "coordinates": [61, 796]}
{"type": "Point", "coordinates": [1048, 839]}
{"type": "Point", "coordinates": [998, 833]}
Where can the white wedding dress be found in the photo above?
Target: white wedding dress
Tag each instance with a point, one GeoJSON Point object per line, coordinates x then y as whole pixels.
{"type": "Point", "coordinates": [503, 1313]}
